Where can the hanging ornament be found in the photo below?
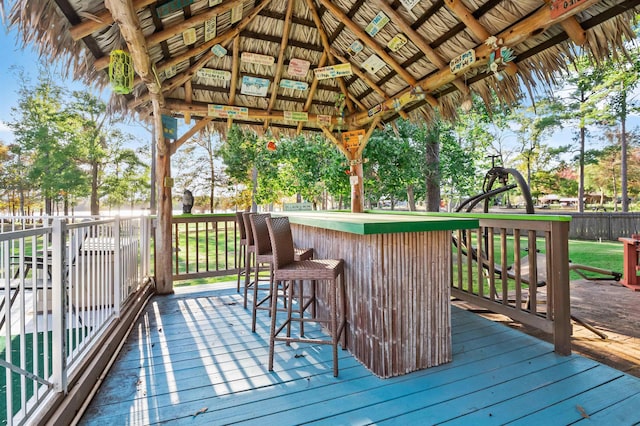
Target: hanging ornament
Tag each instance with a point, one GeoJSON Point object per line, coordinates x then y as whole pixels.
{"type": "Point", "coordinates": [271, 145]}
{"type": "Point", "coordinates": [121, 72]}
{"type": "Point", "coordinates": [339, 105]}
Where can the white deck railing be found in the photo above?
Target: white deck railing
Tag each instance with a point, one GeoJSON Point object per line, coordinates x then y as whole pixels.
{"type": "Point", "coordinates": [61, 285]}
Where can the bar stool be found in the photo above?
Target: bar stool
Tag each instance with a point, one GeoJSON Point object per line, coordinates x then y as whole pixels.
{"type": "Point", "coordinates": [249, 254]}
{"type": "Point", "coordinates": [264, 256]}
{"type": "Point", "coordinates": [242, 250]}
{"type": "Point", "coordinates": [286, 269]}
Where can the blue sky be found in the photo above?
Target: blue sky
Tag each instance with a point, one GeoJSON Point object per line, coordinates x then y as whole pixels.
{"type": "Point", "coordinates": [27, 59]}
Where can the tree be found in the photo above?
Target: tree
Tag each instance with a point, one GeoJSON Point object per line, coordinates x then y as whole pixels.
{"type": "Point", "coordinates": [91, 114]}
{"type": "Point", "coordinates": [45, 132]}
{"type": "Point", "coordinates": [249, 163]}
{"type": "Point", "coordinates": [582, 83]}
{"type": "Point", "coordinates": [615, 93]}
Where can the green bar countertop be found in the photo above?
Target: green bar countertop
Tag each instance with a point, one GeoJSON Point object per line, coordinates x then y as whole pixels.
{"type": "Point", "coordinates": [373, 223]}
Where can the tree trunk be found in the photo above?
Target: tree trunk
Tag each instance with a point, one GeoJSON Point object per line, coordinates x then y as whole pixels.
{"type": "Point", "coordinates": [213, 187]}
{"type": "Point", "coordinates": [95, 205]}
{"type": "Point", "coordinates": [411, 198]}
{"type": "Point", "coordinates": [432, 160]}
{"type": "Point", "coordinates": [581, 172]}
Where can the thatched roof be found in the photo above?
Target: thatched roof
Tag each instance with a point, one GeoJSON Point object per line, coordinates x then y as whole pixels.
{"type": "Point", "coordinates": [269, 43]}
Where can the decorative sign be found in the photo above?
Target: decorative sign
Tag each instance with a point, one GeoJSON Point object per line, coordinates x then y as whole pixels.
{"type": "Point", "coordinates": [169, 127]}
{"type": "Point", "coordinates": [297, 206]}
{"type": "Point", "coordinates": [351, 140]}
{"type": "Point", "coordinates": [254, 86]}
{"type": "Point", "coordinates": [463, 61]}
{"type": "Point", "coordinates": [214, 74]}
{"type": "Point", "coordinates": [375, 110]}
{"type": "Point", "coordinates": [292, 84]}
{"type": "Point", "coordinates": [172, 6]}
{"type": "Point", "coordinates": [324, 119]}
{"type": "Point", "coordinates": [256, 58]}
{"type": "Point", "coordinates": [561, 7]}
{"type": "Point", "coordinates": [170, 72]}
{"type": "Point", "coordinates": [377, 23]}
{"type": "Point", "coordinates": [333, 71]}
{"type": "Point", "coordinates": [397, 42]}
{"type": "Point", "coordinates": [189, 36]}
{"type": "Point", "coordinates": [373, 64]}
{"type": "Point", "coordinates": [214, 2]}
{"type": "Point", "coordinates": [354, 180]}
{"type": "Point", "coordinates": [296, 116]}
{"type": "Point", "coordinates": [298, 67]}
{"type": "Point", "coordinates": [219, 51]}
{"type": "Point", "coordinates": [236, 13]}
{"type": "Point", "coordinates": [226, 111]}
{"type": "Point", "coordinates": [210, 29]}
{"type": "Point", "coordinates": [355, 48]}
{"type": "Point", "coordinates": [408, 4]}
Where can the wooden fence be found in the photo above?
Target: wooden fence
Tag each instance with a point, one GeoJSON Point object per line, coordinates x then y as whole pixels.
{"type": "Point", "coordinates": [602, 226]}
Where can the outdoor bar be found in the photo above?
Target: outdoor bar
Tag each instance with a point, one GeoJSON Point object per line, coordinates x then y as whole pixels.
{"type": "Point", "coordinates": [397, 282]}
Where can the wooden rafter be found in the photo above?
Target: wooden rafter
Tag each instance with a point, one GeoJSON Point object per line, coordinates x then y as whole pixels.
{"type": "Point", "coordinates": [160, 36]}
{"type": "Point", "coordinates": [235, 68]}
{"type": "Point", "coordinates": [477, 29]}
{"type": "Point", "coordinates": [100, 20]}
{"type": "Point", "coordinates": [370, 42]}
{"type": "Point", "coordinates": [188, 94]}
{"type": "Point", "coordinates": [286, 30]}
{"type": "Point", "coordinates": [201, 124]}
{"type": "Point", "coordinates": [224, 40]}
{"type": "Point", "coordinates": [418, 40]}
{"type": "Point", "coordinates": [312, 90]}
{"type": "Point", "coordinates": [201, 110]}
{"type": "Point", "coordinates": [327, 48]}
{"type": "Point", "coordinates": [336, 142]}
{"type": "Point", "coordinates": [535, 23]}
{"type": "Point", "coordinates": [365, 139]}
{"type": "Point", "coordinates": [365, 78]}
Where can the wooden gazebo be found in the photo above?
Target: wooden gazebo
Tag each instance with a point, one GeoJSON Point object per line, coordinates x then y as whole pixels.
{"type": "Point", "coordinates": [339, 67]}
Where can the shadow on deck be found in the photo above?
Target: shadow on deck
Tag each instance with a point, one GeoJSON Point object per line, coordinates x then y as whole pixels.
{"type": "Point", "coordinates": [192, 359]}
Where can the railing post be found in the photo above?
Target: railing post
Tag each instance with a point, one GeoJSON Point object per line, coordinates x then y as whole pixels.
{"type": "Point", "coordinates": [117, 272]}
{"type": "Point", "coordinates": [559, 277]}
{"type": "Point", "coordinates": [59, 294]}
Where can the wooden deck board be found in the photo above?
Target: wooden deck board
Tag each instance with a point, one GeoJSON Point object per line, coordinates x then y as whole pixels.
{"type": "Point", "coordinates": [193, 353]}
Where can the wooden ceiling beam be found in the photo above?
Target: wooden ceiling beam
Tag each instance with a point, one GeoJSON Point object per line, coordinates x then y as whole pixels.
{"type": "Point", "coordinates": [156, 38]}
{"type": "Point", "coordinates": [365, 78]}
{"type": "Point", "coordinates": [286, 31]}
{"type": "Point", "coordinates": [235, 70]}
{"type": "Point", "coordinates": [312, 91]}
{"type": "Point", "coordinates": [224, 39]}
{"type": "Point", "coordinates": [202, 110]}
{"type": "Point", "coordinates": [369, 41]}
{"type": "Point", "coordinates": [100, 21]}
{"type": "Point", "coordinates": [201, 124]}
{"type": "Point", "coordinates": [336, 142]}
{"type": "Point", "coordinates": [478, 31]}
{"type": "Point", "coordinates": [327, 49]}
{"type": "Point", "coordinates": [125, 16]}
{"type": "Point", "coordinates": [419, 41]}
{"type": "Point", "coordinates": [534, 23]}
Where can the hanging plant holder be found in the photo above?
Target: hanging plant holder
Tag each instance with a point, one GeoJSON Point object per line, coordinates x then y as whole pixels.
{"type": "Point", "coordinates": [121, 72]}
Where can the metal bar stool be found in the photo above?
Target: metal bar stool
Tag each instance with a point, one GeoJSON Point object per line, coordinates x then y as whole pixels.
{"type": "Point", "coordinates": [286, 269]}
{"type": "Point", "coordinates": [264, 256]}
{"type": "Point", "coordinates": [242, 249]}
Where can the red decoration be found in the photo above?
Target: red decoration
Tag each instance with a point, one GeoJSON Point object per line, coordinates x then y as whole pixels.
{"type": "Point", "coordinates": [348, 172]}
{"type": "Point", "coordinates": [271, 146]}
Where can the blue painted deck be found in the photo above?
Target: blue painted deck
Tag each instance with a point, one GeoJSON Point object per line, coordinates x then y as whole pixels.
{"type": "Point", "coordinates": [191, 359]}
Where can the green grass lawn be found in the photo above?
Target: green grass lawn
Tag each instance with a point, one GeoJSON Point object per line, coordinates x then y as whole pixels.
{"type": "Point", "coordinates": [606, 255]}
